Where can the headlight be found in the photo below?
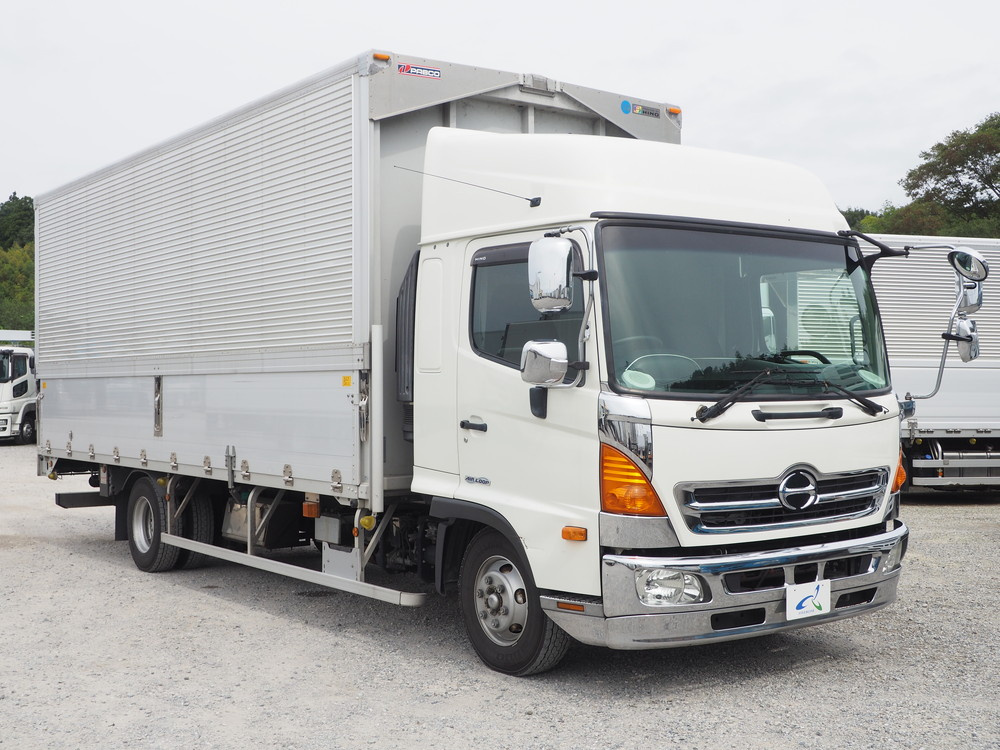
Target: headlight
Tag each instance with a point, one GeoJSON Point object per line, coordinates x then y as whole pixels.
{"type": "Point", "coordinates": [659, 587]}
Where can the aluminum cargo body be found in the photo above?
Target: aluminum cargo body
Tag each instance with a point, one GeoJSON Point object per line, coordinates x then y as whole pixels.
{"type": "Point", "coordinates": [959, 428]}
{"type": "Point", "coordinates": [207, 306]}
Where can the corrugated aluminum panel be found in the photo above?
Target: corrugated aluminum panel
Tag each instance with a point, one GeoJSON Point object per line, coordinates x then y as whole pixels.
{"type": "Point", "coordinates": [827, 304]}
{"type": "Point", "coordinates": [227, 249]}
{"type": "Point", "coordinates": [916, 296]}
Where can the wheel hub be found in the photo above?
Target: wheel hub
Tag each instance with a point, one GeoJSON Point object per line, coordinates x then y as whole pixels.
{"type": "Point", "coordinates": [142, 525]}
{"type": "Point", "coordinates": [501, 601]}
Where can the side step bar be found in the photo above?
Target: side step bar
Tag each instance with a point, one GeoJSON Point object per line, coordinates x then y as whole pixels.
{"type": "Point", "coordinates": [351, 586]}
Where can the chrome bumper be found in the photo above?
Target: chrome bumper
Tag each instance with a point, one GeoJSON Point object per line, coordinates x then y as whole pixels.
{"type": "Point", "coordinates": [738, 607]}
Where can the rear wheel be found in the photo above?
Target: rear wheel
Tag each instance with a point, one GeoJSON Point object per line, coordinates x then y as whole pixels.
{"type": "Point", "coordinates": [147, 520]}
{"type": "Point", "coordinates": [199, 526]}
{"type": "Point", "coordinates": [502, 613]}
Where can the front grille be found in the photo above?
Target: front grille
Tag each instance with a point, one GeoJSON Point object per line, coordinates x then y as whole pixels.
{"type": "Point", "coordinates": [755, 506]}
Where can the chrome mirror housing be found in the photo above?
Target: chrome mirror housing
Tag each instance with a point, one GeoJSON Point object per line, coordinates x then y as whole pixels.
{"type": "Point", "coordinates": [969, 264]}
{"type": "Point", "coordinates": [544, 362]}
{"type": "Point", "coordinates": [967, 339]}
{"type": "Point", "coordinates": [550, 280]}
{"type": "Point", "coordinates": [970, 297]}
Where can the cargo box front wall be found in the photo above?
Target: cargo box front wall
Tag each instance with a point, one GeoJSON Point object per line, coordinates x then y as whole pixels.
{"type": "Point", "coordinates": [211, 292]}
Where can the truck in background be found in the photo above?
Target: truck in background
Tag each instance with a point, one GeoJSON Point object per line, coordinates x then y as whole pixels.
{"type": "Point", "coordinates": [607, 387]}
{"type": "Point", "coordinates": [952, 441]}
{"type": "Point", "coordinates": [18, 387]}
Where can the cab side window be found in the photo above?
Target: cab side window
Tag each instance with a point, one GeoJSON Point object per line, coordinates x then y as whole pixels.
{"type": "Point", "coordinates": [18, 370]}
{"type": "Point", "coordinates": [503, 318]}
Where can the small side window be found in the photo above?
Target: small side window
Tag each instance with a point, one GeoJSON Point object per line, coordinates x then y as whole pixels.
{"type": "Point", "coordinates": [503, 318]}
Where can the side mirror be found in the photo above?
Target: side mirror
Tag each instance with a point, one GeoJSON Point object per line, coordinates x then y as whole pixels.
{"type": "Point", "coordinates": [969, 264]}
{"type": "Point", "coordinates": [544, 362]}
{"type": "Point", "coordinates": [971, 269]}
{"type": "Point", "coordinates": [550, 280]}
{"type": "Point", "coordinates": [970, 296]}
{"type": "Point", "coordinates": [968, 345]}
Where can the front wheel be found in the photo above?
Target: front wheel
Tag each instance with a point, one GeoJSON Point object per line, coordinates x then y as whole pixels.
{"type": "Point", "coordinates": [28, 430]}
{"type": "Point", "coordinates": [502, 612]}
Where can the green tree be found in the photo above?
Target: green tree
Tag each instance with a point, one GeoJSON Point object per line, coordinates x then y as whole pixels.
{"type": "Point", "coordinates": [954, 191]}
{"type": "Point", "coordinates": [17, 287]}
{"type": "Point", "coordinates": [962, 173]}
{"type": "Point", "coordinates": [855, 216]}
{"type": "Point", "coordinates": [17, 221]}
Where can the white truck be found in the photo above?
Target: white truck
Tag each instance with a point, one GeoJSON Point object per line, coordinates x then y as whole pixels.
{"type": "Point", "coordinates": [18, 387]}
{"type": "Point", "coordinates": [490, 329]}
{"type": "Point", "coordinates": [952, 441]}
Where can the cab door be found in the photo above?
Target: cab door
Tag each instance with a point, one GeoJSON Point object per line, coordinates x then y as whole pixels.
{"type": "Point", "coordinates": [541, 474]}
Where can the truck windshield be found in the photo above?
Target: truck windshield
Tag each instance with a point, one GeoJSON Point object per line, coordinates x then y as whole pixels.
{"type": "Point", "coordinates": [5, 362]}
{"type": "Point", "coordinates": [699, 312]}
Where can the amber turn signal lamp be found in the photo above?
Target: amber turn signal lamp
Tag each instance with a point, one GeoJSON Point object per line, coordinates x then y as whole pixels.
{"type": "Point", "coordinates": [310, 510]}
{"type": "Point", "coordinates": [571, 606]}
{"type": "Point", "coordinates": [574, 533]}
{"type": "Point", "coordinates": [624, 488]}
{"type": "Point", "coordinates": [900, 479]}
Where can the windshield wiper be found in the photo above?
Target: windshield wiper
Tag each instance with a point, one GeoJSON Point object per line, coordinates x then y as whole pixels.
{"type": "Point", "coordinates": [706, 413]}
{"type": "Point", "coordinates": [866, 404]}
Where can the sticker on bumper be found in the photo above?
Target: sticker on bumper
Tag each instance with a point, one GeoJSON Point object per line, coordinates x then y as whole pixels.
{"type": "Point", "coordinates": [807, 600]}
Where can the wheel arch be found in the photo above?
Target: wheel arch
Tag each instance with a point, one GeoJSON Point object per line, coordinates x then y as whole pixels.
{"type": "Point", "coordinates": [458, 522]}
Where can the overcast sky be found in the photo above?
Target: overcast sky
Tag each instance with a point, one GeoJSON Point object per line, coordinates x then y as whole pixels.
{"type": "Point", "coordinates": [853, 91]}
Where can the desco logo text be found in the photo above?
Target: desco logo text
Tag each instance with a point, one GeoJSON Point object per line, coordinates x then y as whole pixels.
{"type": "Point", "coordinates": [418, 70]}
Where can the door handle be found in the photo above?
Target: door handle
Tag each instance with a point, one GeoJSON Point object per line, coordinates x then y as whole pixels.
{"type": "Point", "coordinates": [465, 424]}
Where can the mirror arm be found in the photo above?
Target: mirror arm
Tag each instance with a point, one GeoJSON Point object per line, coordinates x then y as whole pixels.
{"type": "Point", "coordinates": [582, 366]}
{"type": "Point", "coordinates": [884, 251]}
{"type": "Point", "coordinates": [948, 337]}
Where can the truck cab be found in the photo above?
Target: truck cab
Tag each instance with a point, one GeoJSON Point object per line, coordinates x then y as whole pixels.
{"type": "Point", "coordinates": [686, 417]}
{"type": "Point", "coordinates": [18, 393]}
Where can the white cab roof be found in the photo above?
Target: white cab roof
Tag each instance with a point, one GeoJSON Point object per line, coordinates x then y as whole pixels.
{"type": "Point", "coordinates": [576, 175]}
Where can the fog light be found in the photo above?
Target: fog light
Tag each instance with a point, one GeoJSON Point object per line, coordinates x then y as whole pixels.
{"type": "Point", "coordinates": [658, 587]}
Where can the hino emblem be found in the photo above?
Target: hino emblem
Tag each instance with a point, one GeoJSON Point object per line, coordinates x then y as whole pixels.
{"type": "Point", "coordinates": [797, 491]}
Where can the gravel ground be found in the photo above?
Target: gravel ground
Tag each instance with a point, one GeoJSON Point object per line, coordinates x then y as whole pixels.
{"type": "Point", "coordinates": [96, 654]}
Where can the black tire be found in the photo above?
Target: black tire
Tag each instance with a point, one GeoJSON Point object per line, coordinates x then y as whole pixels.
{"type": "Point", "coordinates": [199, 526]}
{"type": "Point", "coordinates": [502, 612]}
{"type": "Point", "coordinates": [28, 430]}
{"type": "Point", "coordinates": [147, 519]}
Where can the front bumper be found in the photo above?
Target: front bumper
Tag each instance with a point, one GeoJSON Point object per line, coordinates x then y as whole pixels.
{"type": "Point", "coordinates": [747, 594]}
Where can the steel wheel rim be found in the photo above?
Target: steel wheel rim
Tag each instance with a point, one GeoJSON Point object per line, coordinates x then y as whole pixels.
{"type": "Point", "coordinates": [142, 524]}
{"type": "Point", "coordinates": [501, 600]}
